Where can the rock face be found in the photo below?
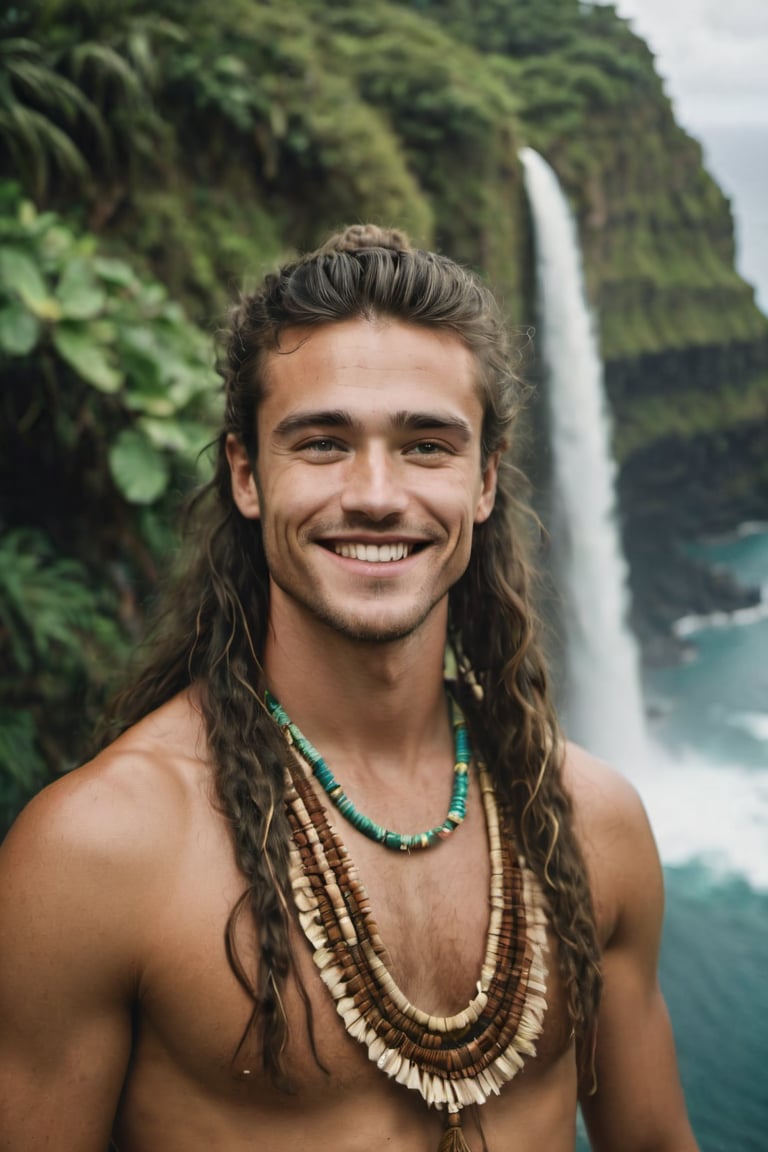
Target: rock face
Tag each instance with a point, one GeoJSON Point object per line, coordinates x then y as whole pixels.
{"type": "Point", "coordinates": [686, 368]}
{"type": "Point", "coordinates": [684, 345]}
{"type": "Point", "coordinates": [683, 485]}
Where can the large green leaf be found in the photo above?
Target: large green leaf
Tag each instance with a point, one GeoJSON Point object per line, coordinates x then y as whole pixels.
{"type": "Point", "coordinates": [79, 292]}
{"type": "Point", "coordinates": [76, 344]}
{"type": "Point", "coordinates": [20, 274]}
{"type": "Point", "coordinates": [114, 271]}
{"type": "Point", "coordinates": [186, 437]}
{"type": "Point", "coordinates": [149, 396]}
{"type": "Point", "coordinates": [55, 239]}
{"type": "Point", "coordinates": [19, 330]}
{"type": "Point", "coordinates": [143, 361]}
{"type": "Point", "coordinates": [138, 468]}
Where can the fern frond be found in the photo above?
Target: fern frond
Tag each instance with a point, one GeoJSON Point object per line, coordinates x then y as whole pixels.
{"type": "Point", "coordinates": [46, 604]}
{"type": "Point", "coordinates": [107, 67]}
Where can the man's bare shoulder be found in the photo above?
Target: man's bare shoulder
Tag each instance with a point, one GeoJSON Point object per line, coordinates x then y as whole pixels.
{"type": "Point", "coordinates": [634, 1058]}
{"type": "Point", "coordinates": [124, 805]}
{"type": "Point", "coordinates": [601, 795]}
{"type": "Point", "coordinates": [86, 878]}
{"type": "Point", "coordinates": [615, 835]}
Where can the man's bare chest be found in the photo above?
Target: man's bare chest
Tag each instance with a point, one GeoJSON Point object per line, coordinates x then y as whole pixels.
{"type": "Point", "coordinates": [430, 908]}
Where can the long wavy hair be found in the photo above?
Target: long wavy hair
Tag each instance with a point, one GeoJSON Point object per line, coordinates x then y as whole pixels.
{"type": "Point", "coordinates": [212, 630]}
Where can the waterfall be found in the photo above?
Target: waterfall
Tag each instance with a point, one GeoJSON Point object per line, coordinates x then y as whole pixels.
{"type": "Point", "coordinates": [603, 709]}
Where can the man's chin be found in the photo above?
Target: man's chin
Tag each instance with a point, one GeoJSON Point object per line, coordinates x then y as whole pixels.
{"type": "Point", "coordinates": [374, 629]}
{"type": "Point", "coordinates": [365, 632]}
{"type": "Point", "coordinates": [364, 623]}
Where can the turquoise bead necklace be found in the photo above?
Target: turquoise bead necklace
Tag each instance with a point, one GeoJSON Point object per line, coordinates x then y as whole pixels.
{"type": "Point", "coordinates": [397, 841]}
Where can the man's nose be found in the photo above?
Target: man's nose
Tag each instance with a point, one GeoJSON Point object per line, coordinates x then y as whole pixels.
{"type": "Point", "coordinates": [374, 484]}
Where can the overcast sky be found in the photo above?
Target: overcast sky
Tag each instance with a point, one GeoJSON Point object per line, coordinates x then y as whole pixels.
{"type": "Point", "coordinates": [713, 55]}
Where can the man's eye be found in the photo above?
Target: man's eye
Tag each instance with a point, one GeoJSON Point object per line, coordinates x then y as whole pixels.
{"type": "Point", "coordinates": [322, 445]}
{"type": "Point", "coordinates": [428, 448]}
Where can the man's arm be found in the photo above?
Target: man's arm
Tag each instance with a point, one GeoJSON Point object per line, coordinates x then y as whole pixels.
{"type": "Point", "coordinates": [69, 924]}
{"type": "Point", "coordinates": [638, 1104]}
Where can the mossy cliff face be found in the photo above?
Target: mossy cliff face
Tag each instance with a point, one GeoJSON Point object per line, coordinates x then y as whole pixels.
{"type": "Point", "coordinates": [316, 116]}
{"type": "Point", "coordinates": [249, 130]}
{"type": "Point", "coordinates": [413, 113]}
{"type": "Point", "coordinates": [684, 345]}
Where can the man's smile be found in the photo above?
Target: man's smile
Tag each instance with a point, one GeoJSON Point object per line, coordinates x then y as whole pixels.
{"type": "Point", "coordinates": [373, 553]}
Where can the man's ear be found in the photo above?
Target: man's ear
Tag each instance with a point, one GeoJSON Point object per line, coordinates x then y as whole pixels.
{"type": "Point", "coordinates": [244, 491]}
{"type": "Point", "coordinates": [487, 496]}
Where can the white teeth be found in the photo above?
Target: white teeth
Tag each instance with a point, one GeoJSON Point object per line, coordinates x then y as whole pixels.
{"type": "Point", "coordinates": [373, 553]}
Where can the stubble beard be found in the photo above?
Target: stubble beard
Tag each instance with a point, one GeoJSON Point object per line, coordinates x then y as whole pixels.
{"type": "Point", "coordinates": [357, 628]}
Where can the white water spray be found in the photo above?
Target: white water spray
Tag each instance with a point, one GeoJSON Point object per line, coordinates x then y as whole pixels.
{"type": "Point", "coordinates": [716, 814]}
{"type": "Point", "coordinates": [604, 707]}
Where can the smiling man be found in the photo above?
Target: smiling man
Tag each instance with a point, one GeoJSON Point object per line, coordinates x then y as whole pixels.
{"type": "Point", "coordinates": [340, 883]}
{"type": "Point", "coordinates": [368, 477]}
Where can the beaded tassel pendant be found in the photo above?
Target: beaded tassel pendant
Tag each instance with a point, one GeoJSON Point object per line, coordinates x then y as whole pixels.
{"type": "Point", "coordinates": [452, 1139]}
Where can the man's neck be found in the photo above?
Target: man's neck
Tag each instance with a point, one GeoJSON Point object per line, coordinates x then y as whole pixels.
{"type": "Point", "coordinates": [383, 698]}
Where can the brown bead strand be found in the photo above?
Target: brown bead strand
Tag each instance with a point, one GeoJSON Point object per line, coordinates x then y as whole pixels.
{"type": "Point", "coordinates": [390, 1035]}
{"type": "Point", "coordinates": [337, 894]}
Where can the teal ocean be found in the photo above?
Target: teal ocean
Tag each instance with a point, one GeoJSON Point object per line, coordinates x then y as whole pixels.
{"type": "Point", "coordinates": [714, 967]}
{"type": "Point", "coordinates": [706, 790]}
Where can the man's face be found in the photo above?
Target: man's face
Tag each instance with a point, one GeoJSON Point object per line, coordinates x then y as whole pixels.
{"type": "Point", "coordinates": [369, 476]}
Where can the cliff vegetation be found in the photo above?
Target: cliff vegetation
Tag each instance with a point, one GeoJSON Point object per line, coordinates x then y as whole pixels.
{"type": "Point", "coordinates": [155, 160]}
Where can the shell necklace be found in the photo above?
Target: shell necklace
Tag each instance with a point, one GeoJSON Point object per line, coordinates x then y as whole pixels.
{"type": "Point", "coordinates": [452, 1061]}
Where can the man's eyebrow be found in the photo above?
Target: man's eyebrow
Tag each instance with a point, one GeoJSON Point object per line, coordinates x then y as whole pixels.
{"type": "Point", "coordinates": [402, 421]}
{"type": "Point", "coordinates": [433, 421]}
{"type": "Point", "coordinates": [326, 418]}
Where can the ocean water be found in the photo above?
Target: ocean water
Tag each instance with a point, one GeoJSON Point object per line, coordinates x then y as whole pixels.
{"type": "Point", "coordinates": [705, 786]}
{"type": "Point", "coordinates": [704, 781]}
{"type": "Point", "coordinates": [709, 808]}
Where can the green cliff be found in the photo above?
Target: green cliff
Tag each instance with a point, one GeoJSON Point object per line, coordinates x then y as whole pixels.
{"type": "Point", "coordinates": [153, 161]}
{"type": "Point", "coordinates": [684, 345]}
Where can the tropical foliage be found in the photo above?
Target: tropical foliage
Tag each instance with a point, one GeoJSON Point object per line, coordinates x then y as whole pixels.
{"type": "Point", "coordinates": [155, 159]}
{"type": "Point", "coordinates": [107, 394]}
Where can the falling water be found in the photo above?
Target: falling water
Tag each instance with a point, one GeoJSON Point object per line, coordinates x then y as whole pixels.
{"type": "Point", "coordinates": [708, 805]}
{"type": "Point", "coordinates": [604, 705]}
